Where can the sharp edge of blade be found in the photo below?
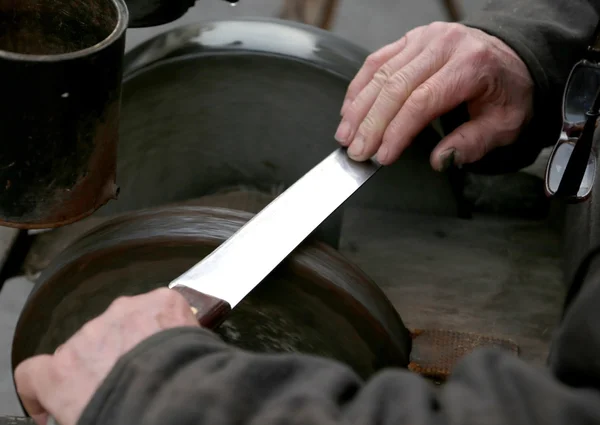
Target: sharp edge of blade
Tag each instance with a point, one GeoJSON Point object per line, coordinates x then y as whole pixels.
{"type": "Point", "coordinates": [280, 227]}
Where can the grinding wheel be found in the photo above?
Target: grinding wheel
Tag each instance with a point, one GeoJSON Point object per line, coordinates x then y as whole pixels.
{"type": "Point", "coordinates": [252, 101]}
{"type": "Point", "coordinates": [316, 302]}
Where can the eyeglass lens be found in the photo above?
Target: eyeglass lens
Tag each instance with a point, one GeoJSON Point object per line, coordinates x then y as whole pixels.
{"type": "Point", "coordinates": [559, 162]}
{"type": "Point", "coordinates": [581, 92]}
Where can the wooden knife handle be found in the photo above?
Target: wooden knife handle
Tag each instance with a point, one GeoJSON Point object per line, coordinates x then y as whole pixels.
{"type": "Point", "coordinates": [209, 311]}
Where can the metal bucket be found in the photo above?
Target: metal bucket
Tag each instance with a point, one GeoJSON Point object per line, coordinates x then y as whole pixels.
{"type": "Point", "coordinates": [61, 64]}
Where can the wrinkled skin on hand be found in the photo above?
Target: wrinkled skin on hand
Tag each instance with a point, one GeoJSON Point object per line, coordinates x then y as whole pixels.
{"type": "Point", "coordinates": [63, 384]}
{"type": "Point", "coordinates": [433, 69]}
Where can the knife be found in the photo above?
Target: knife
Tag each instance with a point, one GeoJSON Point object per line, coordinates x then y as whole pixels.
{"type": "Point", "coordinates": [218, 283]}
{"type": "Point", "coordinates": [221, 280]}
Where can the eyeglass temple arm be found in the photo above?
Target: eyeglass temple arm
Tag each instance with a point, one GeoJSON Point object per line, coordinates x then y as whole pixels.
{"type": "Point", "coordinates": [576, 167]}
{"type": "Point", "coordinates": [593, 49]}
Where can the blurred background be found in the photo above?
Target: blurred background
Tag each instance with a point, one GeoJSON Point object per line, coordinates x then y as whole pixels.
{"type": "Point", "coordinates": [370, 24]}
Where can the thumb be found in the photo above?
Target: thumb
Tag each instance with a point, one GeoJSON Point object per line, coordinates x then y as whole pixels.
{"type": "Point", "coordinates": [466, 144]}
{"type": "Point", "coordinates": [31, 381]}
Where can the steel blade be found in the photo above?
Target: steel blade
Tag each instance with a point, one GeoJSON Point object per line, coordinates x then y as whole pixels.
{"type": "Point", "coordinates": [239, 264]}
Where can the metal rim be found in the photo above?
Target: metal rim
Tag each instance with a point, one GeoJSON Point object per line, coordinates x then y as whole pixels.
{"type": "Point", "coordinates": [257, 35]}
{"type": "Point", "coordinates": [117, 32]}
{"type": "Point", "coordinates": [575, 198]}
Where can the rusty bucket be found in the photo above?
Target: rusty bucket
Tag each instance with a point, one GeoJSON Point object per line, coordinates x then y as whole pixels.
{"type": "Point", "coordinates": [61, 67]}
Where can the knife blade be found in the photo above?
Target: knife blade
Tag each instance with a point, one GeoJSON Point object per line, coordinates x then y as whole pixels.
{"type": "Point", "coordinates": [221, 280]}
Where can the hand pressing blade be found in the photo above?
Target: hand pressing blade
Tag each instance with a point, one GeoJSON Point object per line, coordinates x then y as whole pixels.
{"type": "Point", "coordinates": [215, 285]}
{"type": "Point", "coordinates": [221, 280]}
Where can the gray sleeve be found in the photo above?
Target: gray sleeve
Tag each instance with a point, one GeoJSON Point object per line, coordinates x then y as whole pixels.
{"type": "Point", "coordinates": [188, 376]}
{"type": "Point", "coordinates": [550, 36]}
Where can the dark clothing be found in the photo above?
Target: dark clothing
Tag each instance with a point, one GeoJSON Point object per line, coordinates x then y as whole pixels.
{"type": "Point", "coordinates": [188, 376]}
{"type": "Point", "coordinates": [550, 36]}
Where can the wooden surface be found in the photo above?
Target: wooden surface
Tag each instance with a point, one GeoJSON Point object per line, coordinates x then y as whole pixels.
{"type": "Point", "coordinates": [494, 276]}
{"type": "Point", "coordinates": [321, 13]}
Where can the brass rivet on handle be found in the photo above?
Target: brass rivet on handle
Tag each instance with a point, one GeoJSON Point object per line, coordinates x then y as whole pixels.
{"type": "Point", "coordinates": [194, 310]}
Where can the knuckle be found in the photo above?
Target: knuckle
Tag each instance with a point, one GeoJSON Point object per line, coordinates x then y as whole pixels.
{"type": "Point", "coordinates": [393, 133]}
{"type": "Point", "coordinates": [404, 41]}
{"type": "Point", "coordinates": [475, 141]}
{"type": "Point", "coordinates": [58, 370]}
{"type": "Point", "coordinates": [479, 142]}
{"type": "Point", "coordinates": [455, 27]}
{"type": "Point", "coordinates": [23, 370]}
{"type": "Point", "coordinates": [414, 31]}
{"type": "Point", "coordinates": [481, 53]}
{"type": "Point", "coordinates": [89, 329]}
{"type": "Point", "coordinates": [423, 99]}
{"type": "Point", "coordinates": [374, 60]}
{"type": "Point", "coordinates": [367, 127]}
{"type": "Point", "coordinates": [120, 303]}
{"type": "Point", "coordinates": [439, 26]}
{"type": "Point", "coordinates": [397, 85]}
{"type": "Point", "coordinates": [494, 90]}
{"type": "Point", "coordinates": [424, 96]}
{"type": "Point", "coordinates": [172, 298]}
{"type": "Point", "coordinates": [481, 147]}
{"type": "Point", "coordinates": [506, 126]}
{"type": "Point", "coordinates": [514, 118]}
{"type": "Point", "coordinates": [165, 293]}
{"type": "Point", "coordinates": [383, 75]}
{"type": "Point", "coordinates": [451, 33]}
{"type": "Point", "coordinates": [63, 363]}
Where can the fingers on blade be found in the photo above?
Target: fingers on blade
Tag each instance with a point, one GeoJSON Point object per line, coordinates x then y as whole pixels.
{"type": "Point", "coordinates": [443, 91]}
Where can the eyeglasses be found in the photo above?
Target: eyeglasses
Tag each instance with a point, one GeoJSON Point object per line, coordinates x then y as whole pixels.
{"type": "Point", "coordinates": [571, 169]}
